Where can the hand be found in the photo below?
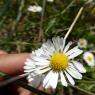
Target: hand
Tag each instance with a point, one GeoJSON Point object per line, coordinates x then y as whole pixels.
{"type": "Point", "coordinates": [12, 64]}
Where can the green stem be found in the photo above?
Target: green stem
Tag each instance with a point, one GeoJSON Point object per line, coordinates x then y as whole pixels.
{"type": "Point", "coordinates": [18, 16]}
{"type": "Point", "coordinates": [84, 81]}
{"type": "Point", "coordinates": [12, 79]}
{"type": "Point", "coordinates": [82, 90]}
{"type": "Point", "coordinates": [41, 35]}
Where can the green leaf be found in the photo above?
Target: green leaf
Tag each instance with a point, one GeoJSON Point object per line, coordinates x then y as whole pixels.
{"type": "Point", "coordinates": [50, 25]}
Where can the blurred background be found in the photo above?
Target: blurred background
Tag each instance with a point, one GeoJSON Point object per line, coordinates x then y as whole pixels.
{"type": "Point", "coordinates": [19, 28]}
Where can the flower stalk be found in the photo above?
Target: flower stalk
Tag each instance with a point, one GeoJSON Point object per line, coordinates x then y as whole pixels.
{"type": "Point", "coordinates": [74, 22]}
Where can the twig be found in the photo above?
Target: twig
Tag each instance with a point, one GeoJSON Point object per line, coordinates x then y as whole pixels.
{"type": "Point", "coordinates": [2, 21]}
{"type": "Point", "coordinates": [74, 22]}
{"type": "Point", "coordinates": [15, 42]}
{"type": "Point", "coordinates": [70, 91]}
{"type": "Point", "coordinates": [63, 11]}
{"type": "Point", "coordinates": [84, 81]}
{"type": "Point", "coordinates": [41, 22]}
{"type": "Point", "coordinates": [18, 16]}
{"type": "Point", "coordinates": [24, 85]}
{"type": "Point", "coordinates": [92, 28]}
{"type": "Point", "coordinates": [82, 90]}
{"type": "Point", "coordinates": [12, 79]}
{"type": "Point", "coordinates": [67, 7]}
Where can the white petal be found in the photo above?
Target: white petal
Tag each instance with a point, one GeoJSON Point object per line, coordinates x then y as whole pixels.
{"type": "Point", "coordinates": [75, 54]}
{"type": "Point", "coordinates": [28, 67]}
{"type": "Point", "coordinates": [47, 54]}
{"type": "Point", "coordinates": [39, 9]}
{"type": "Point", "coordinates": [29, 64]}
{"type": "Point", "coordinates": [29, 76]}
{"type": "Point", "coordinates": [42, 63]}
{"type": "Point", "coordinates": [35, 69]}
{"type": "Point", "coordinates": [37, 81]}
{"type": "Point", "coordinates": [35, 8]}
{"type": "Point", "coordinates": [40, 60]}
{"type": "Point", "coordinates": [30, 79]}
{"type": "Point", "coordinates": [55, 43]}
{"type": "Point", "coordinates": [40, 68]}
{"type": "Point", "coordinates": [49, 46]}
{"type": "Point", "coordinates": [70, 79]}
{"type": "Point", "coordinates": [39, 52]}
{"type": "Point", "coordinates": [79, 67]}
{"type": "Point", "coordinates": [44, 70]}
{"type": "Point", "coordinates": [28, 70]}
{"type": "Point", "coordinates": [50, 1]}
{"type": "Point", "coordinates": [73, 50]}
{"type": "Point", "coordinates": [63, 80]}
{"type": "Point", "coordinates": [28, 60]}
{"type": "Point", "coordinates": [52, 83]}
{"type": "Point", "coordinates": [47, 78]}
{"type": "Point", "coordinates": [62, 44]}
{"type": "Point", "coordinates": [67, 46]}
{"type": "Point", "coordinates": [75, 74]}
{"type": "Point", "coordinates": [58, 41]}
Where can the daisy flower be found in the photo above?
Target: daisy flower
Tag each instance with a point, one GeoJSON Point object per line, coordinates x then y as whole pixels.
{"type": "Point", "coordinates": [35, 8]}
{"type": "Point", "coordinates": [50, 0]}
{"type": "Point", "coordinates": [82, 43]}
{"type": "Point", "coordinates": [56, 62]}
{"type": "Point", "coordinates": [89, 58]}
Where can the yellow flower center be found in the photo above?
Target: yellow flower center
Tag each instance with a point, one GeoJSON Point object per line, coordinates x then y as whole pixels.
{"type": "Point", "coordinates": [81, 42]}
{"type": "Point", "coordinates": [59, 61]}
{"type": "Point", "coordinates": [89, 58]}
{"type": "Point", "coordinates": [34, 9]}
